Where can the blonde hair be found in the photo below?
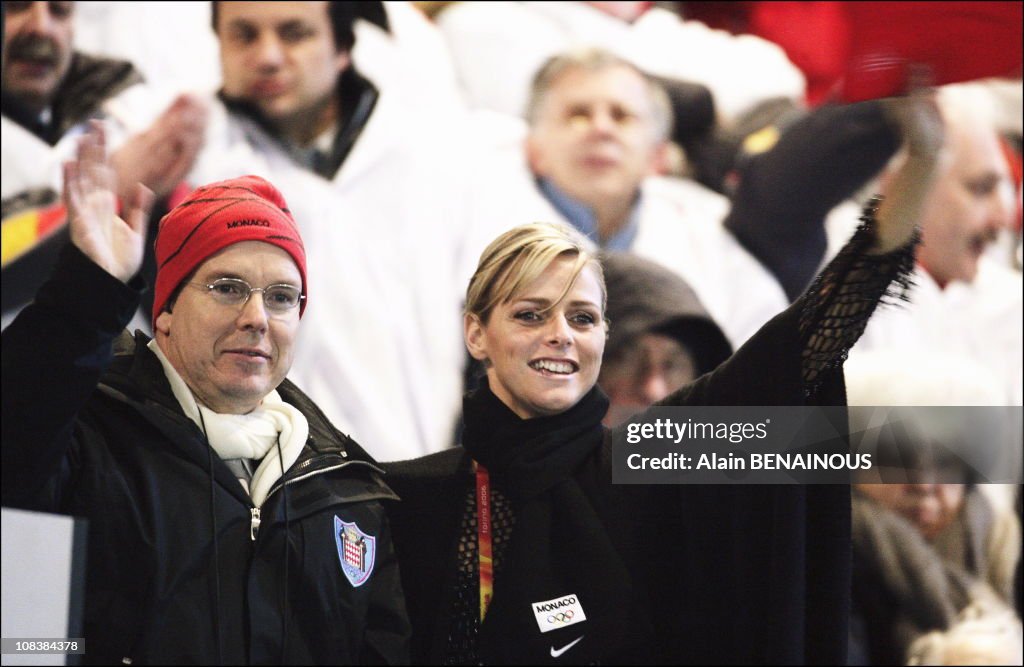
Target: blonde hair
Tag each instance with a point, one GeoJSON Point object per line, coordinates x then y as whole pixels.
{"type": "Point", "coordinates": [597, 60]}
{"type": "Point", "coordinates": [518, 257]}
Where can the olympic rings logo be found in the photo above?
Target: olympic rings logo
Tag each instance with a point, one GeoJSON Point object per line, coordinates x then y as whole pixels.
{"type": "Point", "coordinates": [561, 617]}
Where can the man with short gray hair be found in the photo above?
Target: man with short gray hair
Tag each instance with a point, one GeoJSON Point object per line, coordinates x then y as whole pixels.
{"type": "Point", "coordinates": [596, 60]}
{"type": "Point", "coordinates": [593, 156]}
{"type": "Point", "coordinates": [598, 128]}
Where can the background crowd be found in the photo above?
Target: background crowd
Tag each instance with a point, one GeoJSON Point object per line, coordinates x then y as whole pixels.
{"type": "Point", "coordinates": [705, 149]}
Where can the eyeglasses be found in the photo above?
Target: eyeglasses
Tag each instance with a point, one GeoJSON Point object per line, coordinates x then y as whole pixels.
{"type": "Point", "coordinates": [236, 292]}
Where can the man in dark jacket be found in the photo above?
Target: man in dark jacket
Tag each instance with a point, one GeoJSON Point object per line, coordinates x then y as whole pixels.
{"type": "Point", "coordinates": [229, 521]}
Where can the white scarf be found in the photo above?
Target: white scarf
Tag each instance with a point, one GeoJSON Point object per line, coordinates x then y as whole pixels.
{"type": "Point", "coordinates": [249, 436]}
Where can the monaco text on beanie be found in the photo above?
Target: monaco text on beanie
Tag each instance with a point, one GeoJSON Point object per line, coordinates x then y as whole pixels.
{"type": "Point", "coordinates": [218, 215]}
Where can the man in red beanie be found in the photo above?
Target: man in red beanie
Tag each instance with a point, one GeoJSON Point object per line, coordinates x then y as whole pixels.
{"type": "Point", "coordinates": [229, 521]}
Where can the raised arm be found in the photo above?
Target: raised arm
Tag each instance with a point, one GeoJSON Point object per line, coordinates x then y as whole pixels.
{"type": "Point", "coordinates": [795, 357]}
{"type": "Point", "coordinates": [56, 349]}
{"type": "Point", "coordinates": [876, 263]}
{"type": "Point", "coordinates": [90, 185]}
{"type": "Point", "coordinates": [922, 131]}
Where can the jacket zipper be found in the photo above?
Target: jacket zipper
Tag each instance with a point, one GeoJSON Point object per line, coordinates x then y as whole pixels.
{"type": "Point", "coordinates": [254, 526]}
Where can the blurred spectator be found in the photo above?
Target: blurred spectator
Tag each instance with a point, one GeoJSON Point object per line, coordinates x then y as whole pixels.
{"type": "Point", "coordinates": [497, 47]}
{"type": "Point", "coordinates": [928, 549]}
{"type": "Point", "coordinates": [905, 583]}
{"type": "Point", "coordinates": [377, 188]}
{"type": "Point", "coordinates": [50, 92]}
{"type": "Point", "coordinates": [596, 137]}
{"type": "Point", "coordinates": [1007, 101]}
{"type": "Point", "coordinates": [660, 339]}
{"type": "Point", "coordinates": [964, 304]}
{"type": "Point", "coordinates": [396, 47]}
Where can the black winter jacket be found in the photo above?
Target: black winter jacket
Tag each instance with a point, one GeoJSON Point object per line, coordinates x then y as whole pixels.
{"type": "Point", "coordinates": [177, 570]}
{"type": "Point", "coordinates": [746, 574]}
{"type": "Point", "coordinates": [736, 574]}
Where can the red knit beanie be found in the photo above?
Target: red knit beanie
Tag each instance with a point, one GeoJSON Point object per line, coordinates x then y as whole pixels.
{"type": "Point", "coordinates": [218, 215]}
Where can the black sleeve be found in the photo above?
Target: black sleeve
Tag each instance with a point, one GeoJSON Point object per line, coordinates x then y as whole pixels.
{"type": "Point", "coordinates": [387, 636]}
{"type": "Point", "coordinates": [784, 194]}
{"type": "Point", "coordinates": [836, 308]}
{"type": "Point", "coordinates": [768, 567]}
{"type": "Point", "coordinates": [693, 108]}
{"type": "Point", "coordinates": [53, 355]}
{"type": "Point", "coordinates": [797, 357]}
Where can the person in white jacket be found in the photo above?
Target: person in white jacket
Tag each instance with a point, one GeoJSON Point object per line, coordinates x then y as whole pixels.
{"type": "Point", "coordinates": [591, 155]}
{"type": "Point", "coordinates": [965, 302]}
{"type": "Point", "coordinates": [497, 46]}
{"type": "Point", "coordinates": [376, 187]}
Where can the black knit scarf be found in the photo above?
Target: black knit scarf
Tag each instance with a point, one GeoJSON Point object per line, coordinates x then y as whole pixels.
{"type": "Point", "coordinates": [559, 546]}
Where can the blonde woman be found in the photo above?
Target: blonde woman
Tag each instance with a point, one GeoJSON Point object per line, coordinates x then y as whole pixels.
{"type": "Point", "coordinates": [516, 547]}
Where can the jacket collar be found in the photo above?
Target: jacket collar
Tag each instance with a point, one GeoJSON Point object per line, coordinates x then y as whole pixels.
{"type": "Point", "coordinates": [583, 218]}
{"type": "Point", "coordinates": [89, 82]}
{"type": "Point", "coordinates": [357, 98]}
{"type": "Point", "coordinates": [137, 379]}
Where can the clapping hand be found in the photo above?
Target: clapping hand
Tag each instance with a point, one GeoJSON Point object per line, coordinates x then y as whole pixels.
{"type": "Point", "coordinates": [117, 245]}
{"type": "Point", "coordinates": [161, 156]}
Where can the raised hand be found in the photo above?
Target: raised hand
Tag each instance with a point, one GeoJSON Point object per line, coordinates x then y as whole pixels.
{"type": "Point", "coordinates": [918, 117]}
{"type": "Point", "coordinates": [116, 245]}
{"type": "Point", "coordinates": [920, 121]}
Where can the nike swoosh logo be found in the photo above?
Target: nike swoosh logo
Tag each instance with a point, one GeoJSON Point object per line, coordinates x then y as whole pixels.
{"type": "Point", "coordinates": [555, 653]}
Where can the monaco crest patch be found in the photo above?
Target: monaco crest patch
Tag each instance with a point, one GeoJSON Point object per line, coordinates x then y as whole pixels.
{"type": "Point", "coordinates": [357, 551]}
